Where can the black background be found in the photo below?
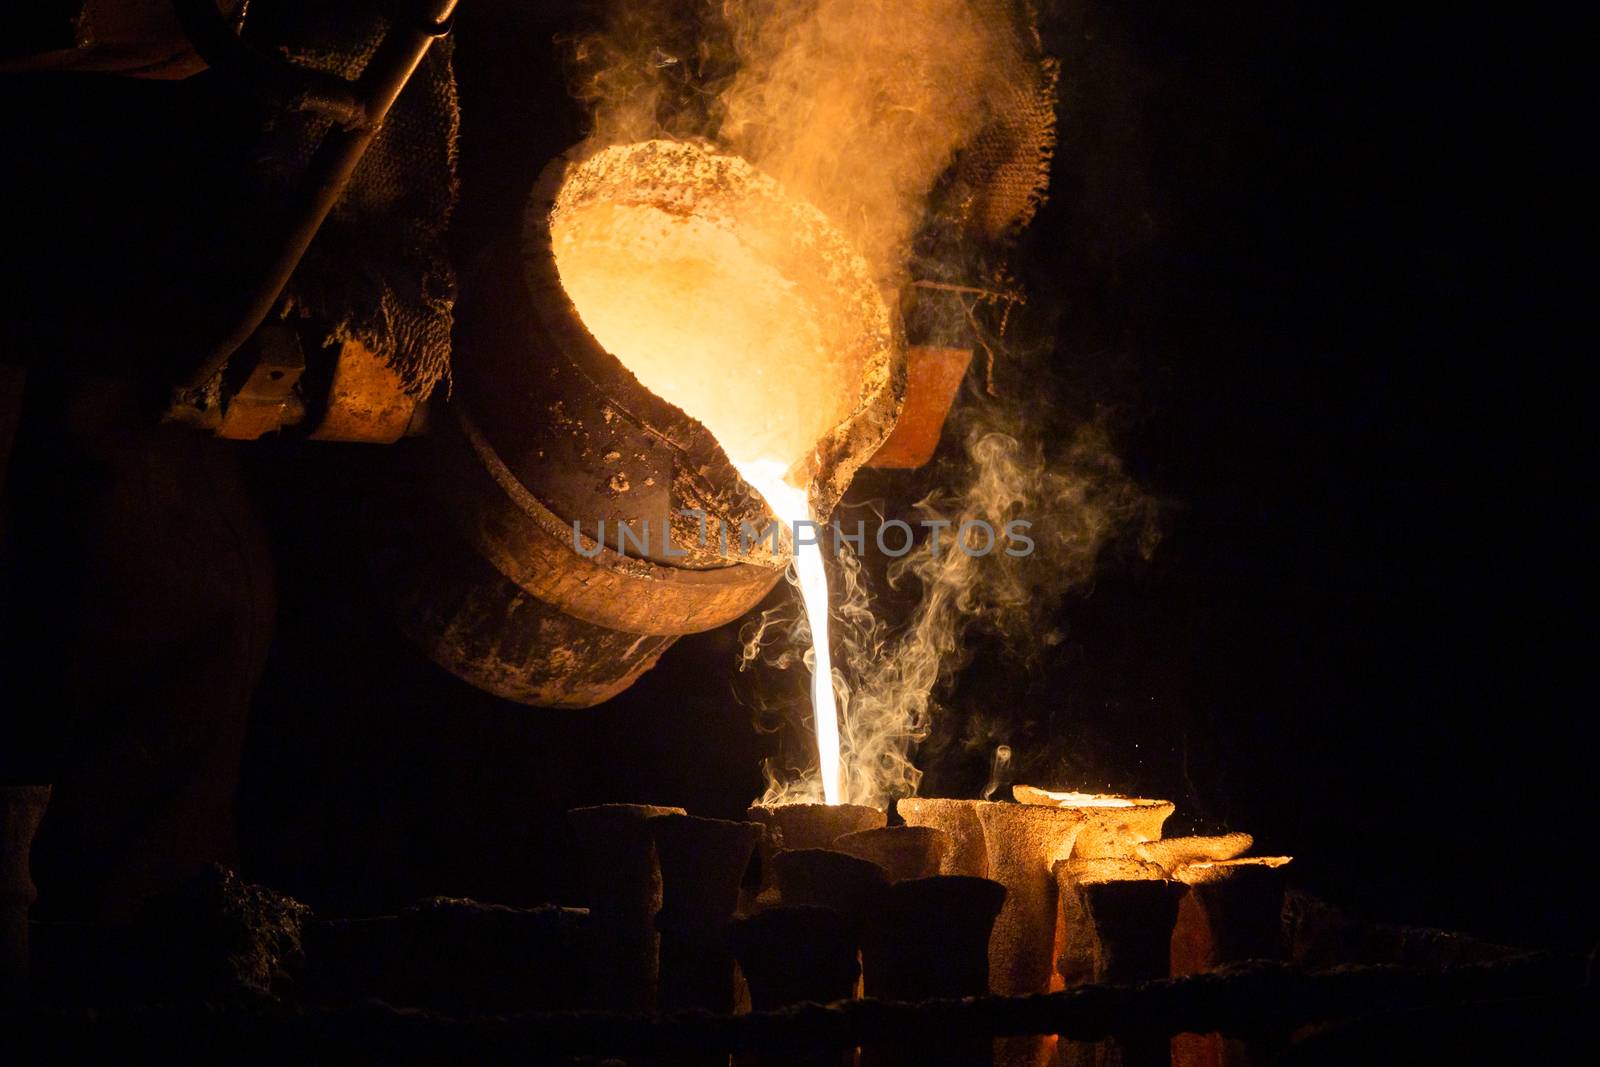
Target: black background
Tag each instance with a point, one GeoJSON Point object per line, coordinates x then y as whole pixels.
{"type": "Point", "coordinates": [1288, 259]}
{"type": "Point", "coordinates": [1297, 259]}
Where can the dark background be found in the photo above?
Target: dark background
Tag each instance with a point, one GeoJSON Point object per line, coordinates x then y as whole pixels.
{"type": "Point", "coordinates": [1295, 259]}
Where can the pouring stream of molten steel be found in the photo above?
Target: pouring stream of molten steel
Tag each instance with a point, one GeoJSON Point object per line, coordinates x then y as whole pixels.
{"type": "Point", "coordinates": [788, 503]}
{"type": "Point", "coordinates": [708, 322]}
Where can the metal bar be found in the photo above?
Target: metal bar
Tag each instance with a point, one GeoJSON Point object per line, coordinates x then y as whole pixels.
{"type": "Point", "coordinates": [328, 173]}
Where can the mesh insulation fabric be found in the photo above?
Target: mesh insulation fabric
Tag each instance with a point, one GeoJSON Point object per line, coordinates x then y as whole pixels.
{"type": "Point", "coordinates": [378, 271]}
{"type": "Point", "coordinates": [1001, 175]}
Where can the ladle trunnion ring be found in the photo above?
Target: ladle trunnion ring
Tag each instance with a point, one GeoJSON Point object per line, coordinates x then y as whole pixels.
{"type": "Point", "coordinates": [547, 428]}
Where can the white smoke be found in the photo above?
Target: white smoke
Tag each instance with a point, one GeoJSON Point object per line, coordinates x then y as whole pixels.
{"type": "Point", "coordinates": [859, 107]}
{"type": "Point", "coordinates": [856, 106]}
{"type": "Point", "coordinates": [1078, 500]}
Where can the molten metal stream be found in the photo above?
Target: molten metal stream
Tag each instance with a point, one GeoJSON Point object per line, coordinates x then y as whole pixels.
{"type": "Point", "coordinates": [788, 503]}
{"type": "Point", "coordinates": [705, 300]}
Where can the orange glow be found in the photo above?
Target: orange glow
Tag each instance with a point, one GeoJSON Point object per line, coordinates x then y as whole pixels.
{"type": "Point", "coordinates": [742, 307]}
{"type": "Point", "coordinates": [1051, 797]}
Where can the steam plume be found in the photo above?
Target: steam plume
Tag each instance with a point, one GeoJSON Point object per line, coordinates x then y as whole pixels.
{"type": "Point", "coordinates": [999, 772]}
{"type": "Point", "coordinates": [857, 106]}
{"type": "Point", "coordinates": [1078, 499]}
